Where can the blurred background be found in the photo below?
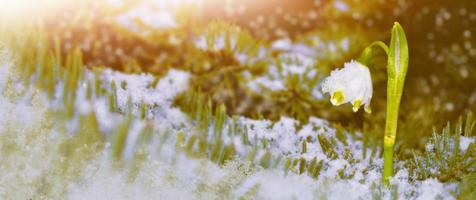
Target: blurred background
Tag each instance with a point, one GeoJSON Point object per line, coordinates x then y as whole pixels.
{"type": "Point", "coordinates": [267, 58]}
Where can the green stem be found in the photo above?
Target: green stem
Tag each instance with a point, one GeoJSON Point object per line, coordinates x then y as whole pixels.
{"type": "Point", "coordinates": [397, 66]}
{"type": "Point", "coordinates": [397, 70]}
{"type": "Point", "coordinates": [381, 45]}
{"type": "Point", "coordinates": [393, 102]}
{"type": "Point", "coordinates": [387, 163]}
{"type": "Point", "coordinates": [367, 53]}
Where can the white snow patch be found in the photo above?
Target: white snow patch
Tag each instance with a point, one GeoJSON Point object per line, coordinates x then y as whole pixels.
{"type": "Point", "coordinates": [139, 90]}
{"type": "Point", "coordinates": [340, 5]}
{"type": "Point", "coordinates": [465, 142]}
{"type": "Point", "coordinates": [169, 174]}
{"type": "Point", "coordinates": [157, 19]}
{"type": "Point", "coordinates": [433, 189]}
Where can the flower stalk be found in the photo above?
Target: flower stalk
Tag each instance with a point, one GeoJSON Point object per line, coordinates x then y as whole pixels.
{"type": "Point", "coordinates": [397, 70]}
{"type": "Point", "coordinates": [397, 65]}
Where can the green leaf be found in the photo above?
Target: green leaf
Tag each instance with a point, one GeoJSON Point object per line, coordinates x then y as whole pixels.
{"type": "Point", "coordinates": [397, 70]}
{"type": "Point", "coordinates": [398, 53]}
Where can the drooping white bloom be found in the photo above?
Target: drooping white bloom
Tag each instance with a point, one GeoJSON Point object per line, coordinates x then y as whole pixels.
{"type": "Point", "coordinates": [352, 84]}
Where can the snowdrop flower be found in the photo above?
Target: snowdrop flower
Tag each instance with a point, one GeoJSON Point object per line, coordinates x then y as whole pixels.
{"type": "Point", "coordinates": [352, 84]}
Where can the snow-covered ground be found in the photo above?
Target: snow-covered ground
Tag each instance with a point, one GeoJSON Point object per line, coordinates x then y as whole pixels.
{"type": "Point", "coordinates": [32, 136]}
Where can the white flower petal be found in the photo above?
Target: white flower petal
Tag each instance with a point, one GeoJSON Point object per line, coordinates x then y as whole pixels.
{"type": "Point", "coordinates": [351, 84]}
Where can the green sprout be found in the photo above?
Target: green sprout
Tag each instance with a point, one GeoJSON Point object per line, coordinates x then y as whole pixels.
{"type": "Point", "coordinates": [397, 71]}
{"type": "Point", "coordinates": [352, 84]}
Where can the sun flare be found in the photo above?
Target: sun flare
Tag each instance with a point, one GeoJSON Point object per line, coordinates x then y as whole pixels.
{"type": "Point", "coordinates": [29, 10]}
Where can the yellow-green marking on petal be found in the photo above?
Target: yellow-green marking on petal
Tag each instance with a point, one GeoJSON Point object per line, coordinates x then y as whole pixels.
{"type": "Point", "coordinates": [367, 109]}
{"type": "Point", "coordinates": [337, 98]}
{"type": "Point", "coordinates": [356, 105]}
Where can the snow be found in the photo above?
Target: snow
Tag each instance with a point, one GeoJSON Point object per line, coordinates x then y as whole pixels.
{"type": "Point", "coordinates": [273, 185]}
{"type": "Point", "coordinates": [161, 19]}
{"type": "Point", "coordinates": [283, 138]}
{"type": "Point", "coordinates": [168, 173]}
{"type": "Point", "coordinates": [342, 6]}
{"type": "Point", "coordinates": [465, 142]}
{"type": "Point", "coordinates": [132, 136]}
{"type": "Point", "coordinates": [105, 117]}
{"type": "Point", "coordinates": [217, 44]}
{"type": "Point", "coordinates": [433, 189]}
{"type": "Point", "coordinates": [139, 90]}
{"type": "Point", "coordinates": [14, 110]}
{"type": "Point", "coordinates": [296, 59]}
{"type": "Point", "coordinates": [5, 65]}
{"type": "Point", "coordinates": [273, 85]}
{"type": "Point", "coordinates": [282, 44]}
{"type": "Point", "coordinates": [287, 45]}
{"type": "Point", "coordinates": [275, 79]}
